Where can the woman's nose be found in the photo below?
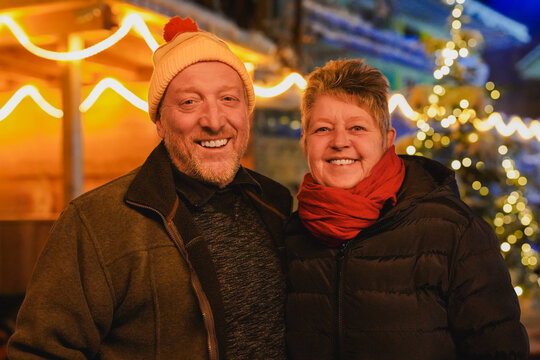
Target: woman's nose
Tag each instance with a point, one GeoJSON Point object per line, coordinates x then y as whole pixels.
{"type": "Point", "coordinates": [340, 139]}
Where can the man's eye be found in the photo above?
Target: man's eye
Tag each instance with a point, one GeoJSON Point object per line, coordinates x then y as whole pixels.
{"type": "Point", "coordinates": [229, 98]}
{"type": "Point", "coordinates": [358, 128]}
{"type": "Point", "coordinates": [188, 102]}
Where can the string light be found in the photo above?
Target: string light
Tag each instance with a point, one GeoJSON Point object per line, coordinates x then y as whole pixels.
{"type": "Point", "coordinates": [130, 21]}
{"type": "Point", "coordinates": [515, 124]}
{"type": "Point", "coordinates": [399, 101]}
{"type": "Point", "coordinates": [290, 80]}
{"type": "Point", "coordinates": [32, 92]}
{"type": "Point", "coordinates": [134, 21]}
{"type": "Point", "coordinates": [97, 91]}
{"type": "Point", "coordinates": [118, 88]}
{"type": "Point", "coordinates": [396, 101]}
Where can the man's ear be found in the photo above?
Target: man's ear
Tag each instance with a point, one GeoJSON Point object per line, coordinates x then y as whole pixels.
{"type": "Point", "coordinates": [159, 125]}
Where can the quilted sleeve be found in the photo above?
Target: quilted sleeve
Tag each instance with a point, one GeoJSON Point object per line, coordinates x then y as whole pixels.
{"type": "Point", "coordinates": [483, 309]}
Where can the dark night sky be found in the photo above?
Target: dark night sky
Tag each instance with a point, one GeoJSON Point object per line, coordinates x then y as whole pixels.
{"type": "Point", "coordinates": [525, 11]}
{"type": "Point", "coordinates": [520, 96]}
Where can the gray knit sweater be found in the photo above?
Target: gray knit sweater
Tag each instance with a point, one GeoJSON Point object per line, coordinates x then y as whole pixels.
{"type": "Point", "coordinates": [249, 273]}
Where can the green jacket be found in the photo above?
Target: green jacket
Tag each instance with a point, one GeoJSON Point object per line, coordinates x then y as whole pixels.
{"type": "Point", "coordinates": [125, 274]}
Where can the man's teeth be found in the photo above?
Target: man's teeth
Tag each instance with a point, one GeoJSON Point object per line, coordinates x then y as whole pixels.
{"type": "Point", "coordinates": [341, 161]}
{"type": "Point", "coordinates": [214, 143]}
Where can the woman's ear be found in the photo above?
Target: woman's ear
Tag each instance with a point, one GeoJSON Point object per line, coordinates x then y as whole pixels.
{"type": "Point", "coordinates": [303, 140]}
{"type": "Point", "coordinates": [390, 137]}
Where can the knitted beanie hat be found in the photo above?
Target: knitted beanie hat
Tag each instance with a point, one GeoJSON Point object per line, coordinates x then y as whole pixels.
{"type": "Point", "coordinates": [186, 45]}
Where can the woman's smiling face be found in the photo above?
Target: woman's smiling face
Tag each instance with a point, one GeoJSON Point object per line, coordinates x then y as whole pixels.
{"type": "Point", "coordinates": [343, 142]}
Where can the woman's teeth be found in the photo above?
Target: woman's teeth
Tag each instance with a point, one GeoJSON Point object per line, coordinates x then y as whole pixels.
{"type": "Point", "coordinates": [214, 143]}
{"type": "Point", "coordinates": [342, 161]}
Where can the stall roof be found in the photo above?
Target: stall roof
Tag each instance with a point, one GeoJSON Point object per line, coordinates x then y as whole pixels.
{"type": "Point", "coordinates": [529, 65]}
{"type": "Point", "coordinates": [210, 21]}
{"type": "Point", "coordinates": [49, 24]}
{"type": "Point", "coordinates": [431, 16]}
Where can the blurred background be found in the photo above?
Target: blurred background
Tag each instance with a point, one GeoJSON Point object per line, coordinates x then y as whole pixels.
{"type": "Point", "coordinates": [464, 76]}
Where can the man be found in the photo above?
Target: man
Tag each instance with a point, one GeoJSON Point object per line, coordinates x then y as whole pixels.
{"type": "Point", "coordinates": [179, 258]}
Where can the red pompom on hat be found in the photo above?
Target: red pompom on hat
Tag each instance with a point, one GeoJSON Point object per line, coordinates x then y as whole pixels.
{"type": "Point", "coordinates": [186, 45]}
{"type": "Point", "coordinates": [177, 25]}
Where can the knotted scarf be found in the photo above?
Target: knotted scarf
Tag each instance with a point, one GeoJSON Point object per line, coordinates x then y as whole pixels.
{"type": "Point", "coordinates": [334, 215]}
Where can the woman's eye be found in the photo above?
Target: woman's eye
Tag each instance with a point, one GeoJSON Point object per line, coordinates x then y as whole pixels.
{"type": "Point", "coordinates": [358, 128]}
{"type": "Point", "coordinates": [321, 129]}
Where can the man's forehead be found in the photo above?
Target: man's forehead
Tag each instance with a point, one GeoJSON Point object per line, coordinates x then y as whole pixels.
{"type": "Point", "coordinates": [208, 74]}
{"type": "Point", "coordinates": [208, 67]}
{"type": "Point", "coordinates": [191, 86]}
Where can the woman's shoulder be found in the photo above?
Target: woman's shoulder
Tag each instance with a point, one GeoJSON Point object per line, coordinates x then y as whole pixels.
{"type": "Point", "coordinates": [430, 190]}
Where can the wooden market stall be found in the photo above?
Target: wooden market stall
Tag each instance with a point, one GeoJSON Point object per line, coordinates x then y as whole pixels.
{"type": "Point", "coordinates": [83, 121]}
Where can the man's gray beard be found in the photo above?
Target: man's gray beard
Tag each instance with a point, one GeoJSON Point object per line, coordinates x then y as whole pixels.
{"type": "Point", "coordinates": [192, 166]}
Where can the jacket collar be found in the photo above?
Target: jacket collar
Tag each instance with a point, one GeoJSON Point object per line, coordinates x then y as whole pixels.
{"type": "Point", "coordinates": [198, 193]}
{"type": "Point", "coordinates": [153, 186]}
{"type": "Point", "coordinates": [424, 178]}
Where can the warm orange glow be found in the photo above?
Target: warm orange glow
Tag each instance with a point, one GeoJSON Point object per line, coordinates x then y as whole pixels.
{"type": "Point", "coordinates": [399, 101]}
{"type": "Point", "coordinates": [129, 22]}
{"type": "Point", "coordinates": [117, 87]}
{"type": "Point", "coordinates": [247, 55]}
{"type": "Point", "coordinates": [515, 124]}
{"type": "Point", "coordinates": [396, 101]}
{"type": "Point", "coordinates": [290, 80]}
{"type": "Point", "coordinates": [33, 92]}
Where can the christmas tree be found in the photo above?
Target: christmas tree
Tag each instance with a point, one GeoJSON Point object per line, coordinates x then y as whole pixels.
{"type": "Point", "coordinates": [456, 127]}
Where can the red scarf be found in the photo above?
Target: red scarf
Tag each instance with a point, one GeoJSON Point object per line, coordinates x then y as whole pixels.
{"type": "Point", "coordinates": [334, 214]}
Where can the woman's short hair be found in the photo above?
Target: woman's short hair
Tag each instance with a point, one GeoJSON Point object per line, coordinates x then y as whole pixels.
{"type": "Point", "coordinates": [350, 80]}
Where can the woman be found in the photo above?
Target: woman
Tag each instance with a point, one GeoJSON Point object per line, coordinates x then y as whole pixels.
{"type": "Point", "coordinates": [385, 261]}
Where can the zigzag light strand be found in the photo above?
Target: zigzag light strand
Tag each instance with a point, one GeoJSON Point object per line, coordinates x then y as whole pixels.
{"type": "Point", "coordinates": [32, 92]}
{"type": "Point", "coordinates": [396, 102]}
{"type": "Point", "coordinates": [134, 21]}
{"type": "Point", "coordinates": [130, 21]}
{"type": "Point", "coordinates": [118, 88]}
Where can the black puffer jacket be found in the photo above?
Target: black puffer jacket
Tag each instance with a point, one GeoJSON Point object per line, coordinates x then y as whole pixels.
{"type": "Point", "coordinates": [426, 281]}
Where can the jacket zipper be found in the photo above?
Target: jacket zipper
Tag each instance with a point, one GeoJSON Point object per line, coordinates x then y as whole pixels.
{"type": "Point", "coordinates": [340, 257]}
{"type": "Point", "coordinates": [206, 309]}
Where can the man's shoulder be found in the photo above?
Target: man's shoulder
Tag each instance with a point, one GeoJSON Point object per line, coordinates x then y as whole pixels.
{"type": "Point", "coordinates": [273, 193]}
{"type": "Point", "coordinates": [111, 191]}
{"type": "Point", "coordinates": [268, 184]}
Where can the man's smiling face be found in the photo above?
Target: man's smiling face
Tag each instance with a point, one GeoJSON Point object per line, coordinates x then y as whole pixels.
{"type": "Point", "coordinates": [204, 121]}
